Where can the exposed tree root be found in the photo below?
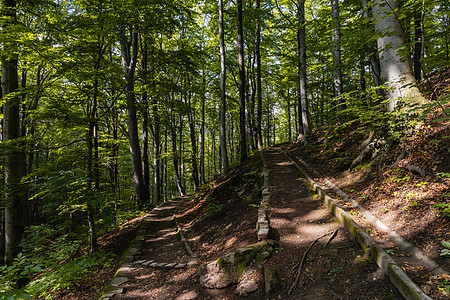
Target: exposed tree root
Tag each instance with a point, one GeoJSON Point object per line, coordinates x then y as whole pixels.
{"type": "Point", "coordinates": [416, 171]}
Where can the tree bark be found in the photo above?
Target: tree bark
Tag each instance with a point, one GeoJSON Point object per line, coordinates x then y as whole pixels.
{"type": "Point", "coordinates": [258, 79]}
{"type": "Point", "coordinates": [194, 151]}
{"type": "Point", "coordinates": [14, 162]}
{"type": "Point", "coordinates": [240, 46]}
{"type": "Point", "coordinates": [394, 58]}
{"type": "Point", "coordinates": [129, 59]}
{"type": "Point", "coordinates": [303, 110]}
{"type": "Point", "coordinates": [336, 38]}
{"type": "Point", "coordinates": [222, 112]}
{"type": "Point", "coordinates": [178, 181]}
{"type": "Point", "coordinates": [418, 43]}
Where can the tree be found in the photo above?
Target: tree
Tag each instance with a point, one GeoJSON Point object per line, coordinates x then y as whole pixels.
{"type": "Point", "coordinates": [258, 78]}
{"type": "Point", "coordinates": [303, 110]}
{"type": "Point", "coordinates": [336, 37]}
{"type": "Point", "coordinates": [129, 50]}
{"type": "Point", "coordinates": [223, 100]}
{"type": "Point", "coordinates": [16, 205]}
{"type": "Point", "coordinates": [242, 112]}
{"type": "Point", "coordinates": [394, 58]}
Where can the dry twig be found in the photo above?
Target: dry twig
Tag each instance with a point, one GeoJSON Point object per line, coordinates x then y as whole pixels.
{"type": "Point", "coordinates": [299, 272]}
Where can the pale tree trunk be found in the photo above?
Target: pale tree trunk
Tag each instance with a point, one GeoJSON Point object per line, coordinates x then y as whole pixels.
{"type": "Point", "coordinates": [222, 112]}
{"type": "Point", "coordinates": [191, 120]}
{"type": "Point", "coordinates": [202, 133]}
{"type": "Point", "coordinates": [129, 59]}
{"type": "Point", "coordinates": [336, 39]}
{"type": "Point", "coordinates": [145, 125]}
{"type": "Point", "coordinates": [394, 58]}
{"type": "Point", "coordinates": [14, 162]}
{"type": "Point", "coordinates": [175, 155]}
{"type": "Point", "coordinates": [240, 46]}
{"type": "Point", "coordinates": [156, 155]}
{"type": "Point", "coordinates": [303, 110]}
{"type": "Point", "coordinates": [370, 47]}
{"type": "Point", "coordinates": [258, 79]}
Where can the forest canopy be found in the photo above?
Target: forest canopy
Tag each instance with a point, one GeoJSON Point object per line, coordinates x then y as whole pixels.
{"type": "Point", "coordinates": [111, 107]}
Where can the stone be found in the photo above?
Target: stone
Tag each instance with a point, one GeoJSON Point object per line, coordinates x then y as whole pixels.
{"type": "Point", "coordinates": [153, 264]}
{"type": "Point", "coordinates": [118, 281]}
{"type": "Point", "coordinates": [246, 286]}
{"type": "Point", "coordinates": [139, 261]}
{"type": "Point", "coordinates": [215, 277]}
{"type": "Point", "coordinates": [160, 265]}
{"type": "Point", "coordinates": [271, 280]}
{"type": "Point", "coordinates": [170, 266]}
{"type": "Point", "coordinates": [145, 264]}
{"type": "Point", "coordinates": [227, 270]}
{"type": "Point", "coordinates": [180, 266]}
{"type": "Point", "coordinates": [133, 251]}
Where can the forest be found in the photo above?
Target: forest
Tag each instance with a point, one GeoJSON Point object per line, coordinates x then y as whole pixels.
{"type": "Point", "coordinates": [111, 107]}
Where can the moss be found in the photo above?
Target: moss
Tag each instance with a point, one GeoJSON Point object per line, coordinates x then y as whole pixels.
{"type": "Point", "coordinates": [221, 262]}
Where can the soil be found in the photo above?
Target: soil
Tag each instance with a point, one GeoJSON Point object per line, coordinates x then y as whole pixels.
{"type": "Point", "coordinates": [222, 218]}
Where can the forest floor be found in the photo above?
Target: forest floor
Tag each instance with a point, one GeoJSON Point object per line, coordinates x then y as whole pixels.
{"type": "Point", "coordinates": [222, 218]}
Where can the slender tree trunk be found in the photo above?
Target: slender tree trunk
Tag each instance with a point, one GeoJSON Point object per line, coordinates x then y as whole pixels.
{"type": "Point", "coordinates": [156, 155]}
{"type": "Point", "coordinates": [337, 73]}
{"type": "Point", "coordinates": [177, 175]}
{"type": "Point", "coordinates": [14, 161]}
{"type": "Point", "coordinates": [202, 133]}
{"type": "Point", "coordinates": [194, 151]}
{"type": "Point", "coordinates": [240, 46]}
{"type": "Point", "coordinates": [394, 58]}
{"type": "Point", "coordinates": [303, 110]}
{"type": "Point", "coordinates": [129, 58]}
{"type": "Point", "coordinates": [258, 79]}
{"type": "Point", "coordinates": [222, 112]}
{"type": "Point", "coordinates": [145, 126]}
{"type": "Point", "coordinates": [418, 43]}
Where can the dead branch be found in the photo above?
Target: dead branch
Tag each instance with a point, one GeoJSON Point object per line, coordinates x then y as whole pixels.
{"type": "Point", "coordinates": [331, 237]}
{"type": "Point", "coordinates": [302, 262]}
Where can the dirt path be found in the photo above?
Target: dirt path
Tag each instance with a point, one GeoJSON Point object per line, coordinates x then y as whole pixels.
{"type": "Point", "coordinates": [339, 271]}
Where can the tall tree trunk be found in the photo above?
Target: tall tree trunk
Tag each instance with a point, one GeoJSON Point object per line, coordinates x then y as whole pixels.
{"type": "Point", "coordinates": [303, 111]}
{"type": "Point", "coordinates": [337, 73]}
{"type": "Point", "coordinates": [202, 133]}
{"type": "Point", "coordinates": [145, 134]}
{"type": "Point", "coordinates": [258, 79]}
{"type": "Point", "coordinates": [394, 58]}
{"type": "Point", "coordinates": [175, 154]}
{"type": "Point", "coordinates": [157, 187]}
{"type": "Point", "coordinates": [418, 42]}
{"type": "Point", "coordinates": [240, 46]}
{"type": "Point", "coordinates": [194, 151]}
{"type": "Point", "coordinates": [222, 112]}
{"type": "Point", "coordinates": [14, 161]}
{"type": "Point", "coordinates": [129, 58]}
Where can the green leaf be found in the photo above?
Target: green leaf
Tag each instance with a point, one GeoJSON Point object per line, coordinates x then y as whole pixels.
{"type": "Point", "coordinates": [446, 244]}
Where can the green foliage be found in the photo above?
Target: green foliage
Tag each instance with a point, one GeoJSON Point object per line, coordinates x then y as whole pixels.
{"type": "Point", "coordinates": [64, 276]}
{"type": "Point", "coordinates": [13, 279]}
{"type": "Point", "coordinates": [443, 209]}
{"type": "Point", "coordinates": [48, 246]}
{"type": "Point", "coordinates": [439, 106]}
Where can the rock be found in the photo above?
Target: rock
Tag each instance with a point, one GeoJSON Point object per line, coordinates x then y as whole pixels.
{"type": "Point", "coordinates": [214, 277]}
{"type": "Point", "coordinates": [246, 286]}
{"type": "Point", "coordinates": [228, 269]}
{"type": "Point", "coordinates": [271, 279]}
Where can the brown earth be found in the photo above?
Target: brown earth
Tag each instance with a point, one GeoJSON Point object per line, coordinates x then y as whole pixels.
{"type": "Point", "coordinates": [222, 218]}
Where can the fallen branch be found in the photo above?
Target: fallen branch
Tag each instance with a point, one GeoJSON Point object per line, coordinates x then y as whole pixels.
{"type": "Point", "coordinates": [302, 262]}
{"type": "Point", "coordinates": [331, 237]}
